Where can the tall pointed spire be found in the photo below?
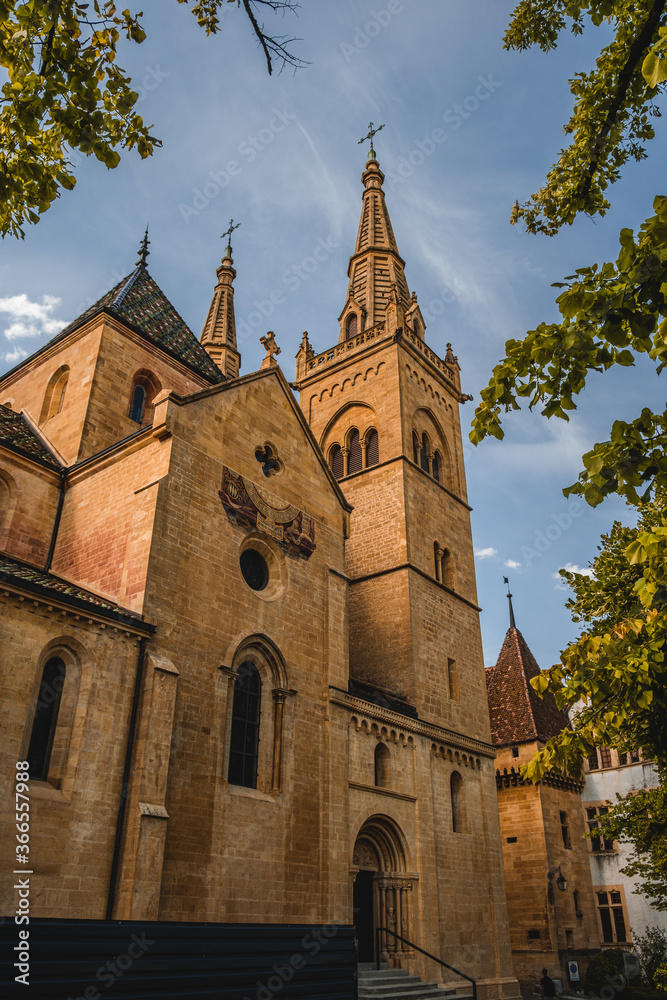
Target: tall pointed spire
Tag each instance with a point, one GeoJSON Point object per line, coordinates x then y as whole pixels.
{"type": "Point", "coordinates": [376, 265]}
{"type": "Point", "coordinates": [143, 250]}
{"type": "Point", "coordinates": [219, 334]}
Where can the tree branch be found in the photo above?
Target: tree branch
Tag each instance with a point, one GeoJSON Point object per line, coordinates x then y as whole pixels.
{"type": "Point", "coordinates": [636, 52]}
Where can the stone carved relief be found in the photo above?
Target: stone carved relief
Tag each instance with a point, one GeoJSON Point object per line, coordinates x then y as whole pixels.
{"type": "Point", "coordinates": [243, 503]}
{"type": "Point", "coordinates": [364, 857]}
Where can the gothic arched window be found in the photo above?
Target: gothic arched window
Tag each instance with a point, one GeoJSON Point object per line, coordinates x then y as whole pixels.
{"type": "Point", "coordinates": [54, 397]}
{"type": "Point", "coordinates": [415, 448]}
{"type": "Point", "coordinates": [138, 404]}
{"type": "Point", "coordinates": [244, 743]}
{"type": "Point", "coordinates": [354, 461]}
{"type": "Point", "coordinates": [382, 766]}
{"type": "Point", "coordinates": [145, 387]}
{"type": "Point", "coordinates": [372, 448]}
{"type": "Point", "coordinates": [352, 327]}
{"type": "Point", "coordinates": [437, 466]}
{"type": "Point", "coordinates": [45, 718]}
{"type": "Point", "coordinates": [336, 461]}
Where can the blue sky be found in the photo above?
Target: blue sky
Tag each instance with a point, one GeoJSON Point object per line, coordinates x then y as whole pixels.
{"type": "Point", "coordinates": [280, 154]}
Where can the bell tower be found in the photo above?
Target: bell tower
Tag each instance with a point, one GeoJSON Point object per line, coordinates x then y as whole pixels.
{"type": "Point", "coordinates": [384, 407]}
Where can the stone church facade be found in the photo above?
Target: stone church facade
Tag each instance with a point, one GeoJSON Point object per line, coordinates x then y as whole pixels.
{"type": "Point", "coordinates": [240, 636]}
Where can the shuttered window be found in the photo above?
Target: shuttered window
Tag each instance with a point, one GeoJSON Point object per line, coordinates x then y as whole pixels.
{"type": "Point", "coordinates": [372, 449]}
{"type": "Point", "coordinates": [336, 461]}
{"type": "Point", "coordinates": [415, 449]}
{"type": "Point", "coordinates": [352, 326]}
{"type": "Point", "coordinates": [354, 461]}
{"type": "Point", "coordinates": [423, 453]}
{"type": "Point", "coordinates": [436, 466]}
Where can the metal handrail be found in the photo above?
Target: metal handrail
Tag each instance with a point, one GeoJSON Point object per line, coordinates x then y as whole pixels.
{"type": "Point", "coordinates": [385, 930]}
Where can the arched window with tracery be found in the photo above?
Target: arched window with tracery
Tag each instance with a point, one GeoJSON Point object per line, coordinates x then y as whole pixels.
{"type": "Point", "coordinates": [336, 461]}
{"type": "Point", "coordinates": [382, 766]}
{"type": "Point", "coordinates": [415, 448]}
{"type": "Point", "coordinates": [352, 327]}
{"type": "Point", "coordinates": [244, 742]}
{"type": "Point", "coordinates": [54, 397]}
{"type": "Point", "coordinates": [45, 718]}
{"type": "Point", "coordinates": [372, 448]}
{"type": "Point", "coordinates": [458, 805]}
{"type": "Point", "coordinates": [145, 387]}
{"type": "Point", "coordinates": [354, 461]}
{"type": "Point", "coordinates": [424, 452]}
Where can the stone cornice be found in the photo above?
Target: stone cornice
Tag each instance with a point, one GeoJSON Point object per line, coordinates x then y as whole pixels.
{"type": "Point", "coordinates": [406, 724]}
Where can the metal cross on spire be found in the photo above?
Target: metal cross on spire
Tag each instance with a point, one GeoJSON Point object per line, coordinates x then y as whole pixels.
{"type": "Point", "coordinates": [143, 249]}
{"type": "Point", "coordinates": [371, 132]}
{"type": "Point", "coordinates": [228, 234]}
{"type": "Point", "coordinates": [509, 598]}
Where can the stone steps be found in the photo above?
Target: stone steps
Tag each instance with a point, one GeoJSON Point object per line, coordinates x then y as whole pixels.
{"type": "Point", "coordinates": [396, 984]}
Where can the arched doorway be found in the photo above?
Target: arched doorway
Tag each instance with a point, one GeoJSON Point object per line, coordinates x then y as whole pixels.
{"type": "Point", "coordinates": [381, 891]}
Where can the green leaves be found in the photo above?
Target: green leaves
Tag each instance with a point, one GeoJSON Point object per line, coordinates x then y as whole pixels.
{"type": "Point", "coordinates": [613, 106]}
{"type": "Point", "coordinates": [611, 314]}
{"type": "Point", "coordinates": [64, 92]}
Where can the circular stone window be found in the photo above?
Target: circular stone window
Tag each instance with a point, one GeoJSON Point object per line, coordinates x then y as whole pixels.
{"type": "Point", "coordinates": [254, 569]}
{"type": "Point", "coordinates": [263, 566]}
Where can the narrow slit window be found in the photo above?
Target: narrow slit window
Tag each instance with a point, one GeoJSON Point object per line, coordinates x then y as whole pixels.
{"type": "Point", "coordinates": [138, 404]}
{"type": "Point", "coordinates": [423, 453]}
{"type": "Point", "coordinates": [456, 788]}
{"type": "Point", "coordinates": [45, 718]}
{"type": "Point", "coordinates": [437, 466]}
{"type": "Point", "coordinates": [244, 743]}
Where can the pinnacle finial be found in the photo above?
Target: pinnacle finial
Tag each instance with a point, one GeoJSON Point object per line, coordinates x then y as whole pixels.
{"type": "Point", "coordinates": [371, 132]}
{"type": "Point", "coordinates": [143, 249]}
{"type": "Point", "coordinates": [228, 234]}
{"type": "Point", "coordinates": [509, 598]}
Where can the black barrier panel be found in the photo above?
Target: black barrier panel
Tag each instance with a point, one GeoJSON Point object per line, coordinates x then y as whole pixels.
{"type": "Point", "coordinates": [159, 960]}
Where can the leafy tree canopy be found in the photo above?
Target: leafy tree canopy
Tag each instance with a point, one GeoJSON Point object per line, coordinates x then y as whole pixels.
{"type": "Point", "coordinates": [613, 102]}
{"type": "Point", "coordinates": [616, 672]}
{"type": "Point", "coordinates": [65, 91]}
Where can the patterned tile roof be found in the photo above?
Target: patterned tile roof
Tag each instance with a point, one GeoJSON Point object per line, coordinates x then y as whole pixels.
{"type": "Point", "coordinates": [518, 714]}
{"type": "Point", "coordinates": [16, 432]}
{"type": "Point", "coordinates": [139, 301]}
{"type": "Point", "coordinates": [36, 580]}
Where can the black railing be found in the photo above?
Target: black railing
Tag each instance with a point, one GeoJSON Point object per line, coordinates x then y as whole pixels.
{"type": "Point", "coordinates": [413, 946]}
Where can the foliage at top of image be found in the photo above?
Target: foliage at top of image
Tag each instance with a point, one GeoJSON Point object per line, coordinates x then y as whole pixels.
{"type": "Point", "coordinates": [614, 103]}
{"type": "Point", "coordinates": [65, 91]}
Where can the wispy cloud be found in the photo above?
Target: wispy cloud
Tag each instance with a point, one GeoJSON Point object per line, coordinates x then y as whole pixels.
{"type": "Point", "coordinates": [486, 553]}
{"type": "Point", "coordinates": [30, 319]}
{"type": "Point", "coordinates": [512, 564]}
{"type": "Point", "coordinates": [13, 357]}
{"type": "Point", "coordinates": [572, 568]}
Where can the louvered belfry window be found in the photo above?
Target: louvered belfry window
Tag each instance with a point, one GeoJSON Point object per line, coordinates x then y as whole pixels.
{"type": "Point", "coordinates": [372, 449]}
{"type": "Point", "coordinates": [436, 466]}
{"type": "Point", "coordinates": [244, 743]}
{"type": "Point", "coordinates": [336, 461]}
{"type": "Point", "coordinates": [352, 326]}
{"type": "Point", "coordinates": [415, 449]}
{"type": "Point", "coordinates": [423, 453]}
{"type": "Point", "coordinates": [354, 460]}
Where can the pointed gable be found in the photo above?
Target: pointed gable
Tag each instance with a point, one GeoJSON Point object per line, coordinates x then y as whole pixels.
{"type": "Point", "coordinates": [518, 714]}
{"type": "Point", "coordinates": [139, 302]}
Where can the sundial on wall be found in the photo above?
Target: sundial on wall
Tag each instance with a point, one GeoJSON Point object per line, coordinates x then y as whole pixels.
{"type": "Point", "coordinates": [244, 503]}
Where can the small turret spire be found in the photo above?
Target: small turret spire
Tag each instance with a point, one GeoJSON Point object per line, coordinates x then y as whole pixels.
{"type": "Point", "coordinates": [219, 334]}
{"type": "Point", "coordinates": [509, 598]}
{"type": "Point", "coordinates": [143, 250]}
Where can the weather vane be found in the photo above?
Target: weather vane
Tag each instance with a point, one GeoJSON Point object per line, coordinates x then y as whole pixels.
{"type": "Point", "coordinates": [143, 249]}
{"type": "Point", "coordinates": [371, 132]}
{"type": "Point", "coordinates": [229, 232]}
